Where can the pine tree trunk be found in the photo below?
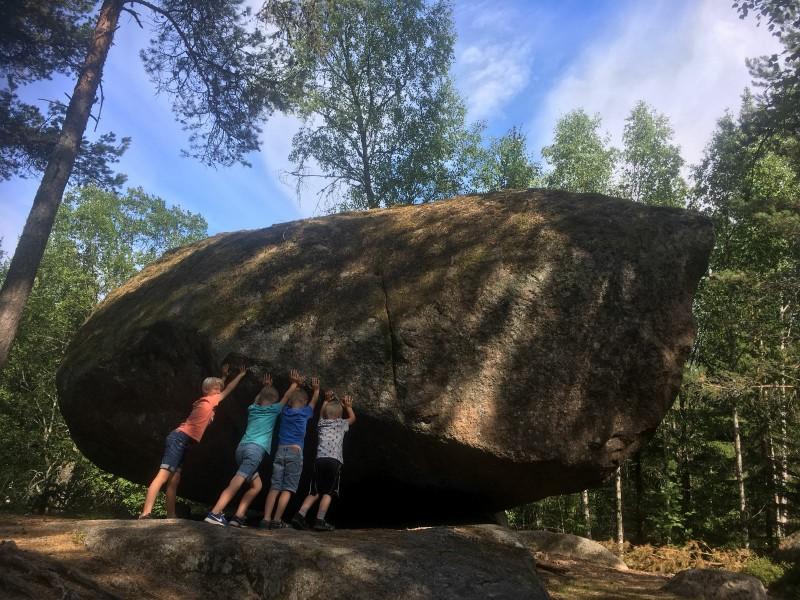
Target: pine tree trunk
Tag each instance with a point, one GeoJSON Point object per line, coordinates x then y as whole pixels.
{"type": "Point", "coordinates": [737, 443]}
{"type": "Point", "coordinates": [666, 488]}
{"type": "Point", "coordinates": [776, 497]}
{"type": "Point", "coordinates": [638, 478]}
{"type": "Point", "coordinates": [30, 248]}
{"type": "Point", "coordinates": [620, 532]}
{"type": "Point", "coordinates": [587, 515]}
{"type": "Point", "coordinates": [783, 409]}
{"type": "Point", "coordinates": [683, 460]}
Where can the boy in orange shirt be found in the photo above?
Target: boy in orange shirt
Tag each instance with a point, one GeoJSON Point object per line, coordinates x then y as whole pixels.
{"type": "Point", "coordinates": [187, 433]}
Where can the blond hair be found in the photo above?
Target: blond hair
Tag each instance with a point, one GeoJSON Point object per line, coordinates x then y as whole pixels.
{"type": "Point", "coordinates": [211, 382]}
{"type": "Point", "coordinates": [299, 398]}
{"type": "Point", "coordinates": [268, 395]}
{"type": "Point", "coordinates": [332, 410]}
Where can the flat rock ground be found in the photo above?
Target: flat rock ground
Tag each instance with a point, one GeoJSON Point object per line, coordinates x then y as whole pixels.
{"type": "Point", "coordinates": [55, 560]}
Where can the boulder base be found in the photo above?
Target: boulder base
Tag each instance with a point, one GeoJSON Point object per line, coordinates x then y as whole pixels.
{"type": "Point", "coordinates": [500, 348]}
{"type": "Point", "coordinates": [570, 546]}
{"type": "Point", "coordinates": [457, 563]}
{"type": "Point", "coordinates": [716, 584]}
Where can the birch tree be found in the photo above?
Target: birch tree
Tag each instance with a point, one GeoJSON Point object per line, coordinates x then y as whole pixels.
{"type": "Point", "coordinates": [382, 120]}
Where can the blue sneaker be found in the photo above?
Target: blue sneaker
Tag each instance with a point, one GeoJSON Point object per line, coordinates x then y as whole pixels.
{"type": "Point", "coordinates": [216, 519]}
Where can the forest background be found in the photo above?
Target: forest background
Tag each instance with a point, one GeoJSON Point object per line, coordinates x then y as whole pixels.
{"type": "Point", "coordinates": [722, 467]}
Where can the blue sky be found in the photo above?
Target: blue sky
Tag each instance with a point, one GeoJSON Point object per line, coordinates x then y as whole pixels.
{"type": "Point", "coordinates": [517, 63]}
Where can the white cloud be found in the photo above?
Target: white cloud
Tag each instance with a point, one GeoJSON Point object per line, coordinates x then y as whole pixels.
{"type": "Point", "coordinates": [276, 144]}
{"type": "Point", "coordinates": [688, 64]}
{"type": "Point", "coordinates": [495, 65]}
{"type": "Point", "coordinates": [490, 75]}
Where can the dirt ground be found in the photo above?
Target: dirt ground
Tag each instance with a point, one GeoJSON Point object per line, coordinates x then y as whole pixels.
{"type": "Point", "coordinates": [49, 560]}
{"type": "Point", "coordinates": [589, 581]}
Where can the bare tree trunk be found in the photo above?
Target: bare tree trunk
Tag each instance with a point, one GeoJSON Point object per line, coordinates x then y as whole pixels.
{"type": "Point", "coordinates": [737, 443]}
{"type": "Point", "coordinates": [683, 459]}
{"type": "Point", "coordinates": [638, 478]}
{"type": "Point", "coordinates": [782, 409]}
{"type": "Point", "coordinates": [666, 484]}
{"type": "Point", "coordinates": [620, 532]}
{"type": "Point", "coordinates": [587, 515]}
{"type": "Point", "coordinates": [30, 248]}
{"type": "Point", "coordinates": [776, 497]}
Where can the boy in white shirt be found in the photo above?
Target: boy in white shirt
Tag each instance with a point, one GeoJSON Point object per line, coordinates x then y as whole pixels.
{"type": "Point", "coordinates": [335, 420]}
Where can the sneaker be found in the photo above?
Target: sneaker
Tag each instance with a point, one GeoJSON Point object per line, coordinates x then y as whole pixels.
{"type": "Point", "coordinates": [235, 521]}
{"type": "Point", "coordinates": [264, 524]}
{"type": "Point", "coordinates": [299, 521]}
{"type": "Point", "coordinates": [145, 517]}
{"type": "Point", "coordinates": [216, 519]}
{"type": "Point", "coordinates": [278, 525]}
{"type": "Point", "coordinates": [323, 525]}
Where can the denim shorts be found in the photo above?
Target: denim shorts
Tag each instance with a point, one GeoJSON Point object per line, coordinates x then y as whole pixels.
{"type": "Point", "coordinates": [174, 450]}
{"type": "Point", "coordinates": [286, 468]}
{"type": "Point", "coordinates": [248, 457]}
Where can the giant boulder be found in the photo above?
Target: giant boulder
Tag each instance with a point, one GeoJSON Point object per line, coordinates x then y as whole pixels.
{"type": "Point", "coordinates": [500, 348]}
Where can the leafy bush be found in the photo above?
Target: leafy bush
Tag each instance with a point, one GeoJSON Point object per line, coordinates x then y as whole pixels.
{"type": "Point", "coordinates": [766, 570]}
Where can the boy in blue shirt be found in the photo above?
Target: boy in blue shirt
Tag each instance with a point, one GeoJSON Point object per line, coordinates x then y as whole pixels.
{"type": "Point", "coordinates": [252, 448]}
{"type": "Point", "coordinates": [288, 463]}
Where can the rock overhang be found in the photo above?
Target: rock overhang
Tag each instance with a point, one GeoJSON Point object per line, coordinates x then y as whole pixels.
{"type": "Point", "coordinates": [500, 348]}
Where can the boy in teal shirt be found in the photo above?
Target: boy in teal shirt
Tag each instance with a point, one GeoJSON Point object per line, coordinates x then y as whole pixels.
{"type": "Point", "coordinates": [252, 448]}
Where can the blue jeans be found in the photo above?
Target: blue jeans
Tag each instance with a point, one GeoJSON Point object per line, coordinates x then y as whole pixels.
{"type": "Point", "coordinates": [286, 468]}
{"type": "Point", "coordinates": [249, 457]}
{"type": "Point", "coordinates": [174, 450]}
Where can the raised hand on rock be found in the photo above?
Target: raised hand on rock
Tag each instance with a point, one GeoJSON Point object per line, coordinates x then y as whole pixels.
{"type": "Point", "coordinates": [296, 378]}
{"type": "Point", "coordinates": [315, 383]}
{"type": "Point", "coordinates": [347, 401]}
{"type": "Point", "coordinates": [267, 381]}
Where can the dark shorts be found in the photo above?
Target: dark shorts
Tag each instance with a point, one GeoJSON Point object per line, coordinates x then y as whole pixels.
{"type": "Point", "coordinates": [174, 450]}
{"type": "Point", "coordinates": [326, 477]}
{"type": "Point", "coordinates": [248, 458]}
{"type": "Point", "coordinates": [286, 469]}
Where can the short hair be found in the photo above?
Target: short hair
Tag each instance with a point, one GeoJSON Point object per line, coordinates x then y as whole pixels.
{"type": "Point", "coordinates": [268, 395]}
{"type": "Point", "coordinates": [299, 396]}
{"type": "Point", "coordinates": [332, 410]}
{"type": "Point", "coordinates": [210, 382]}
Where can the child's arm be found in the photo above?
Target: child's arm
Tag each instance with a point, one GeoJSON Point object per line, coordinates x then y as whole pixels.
{"type": "Point", "coordinates": [315, 394]}
{"type": "Point", "coordinates": [296, 379]}
{"type": "Point", "coordinates": [347, 405]}
{"type": "Point", "coordinates": [232, 385]}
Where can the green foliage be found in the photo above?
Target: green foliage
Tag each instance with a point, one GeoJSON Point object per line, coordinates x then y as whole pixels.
{"type": "Point", "coordinates": [581, 158]}
{"type": "Point", "coordinates": [37, 40]}
{"type": "Point", "coordinates": [99, 240]}
{"type": "Point", "coordinates": [506, 164]}
{"type": "Point", "coordinates": [767, 571]}
{"type": "Point", "coordinates": [382, 119]}
{"type": "Point", "coordinates": [778, 75]}
{"type": "Point", "coordinates": [223, 73]}
{"type": "Point", "coordinates": [651, 163]}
